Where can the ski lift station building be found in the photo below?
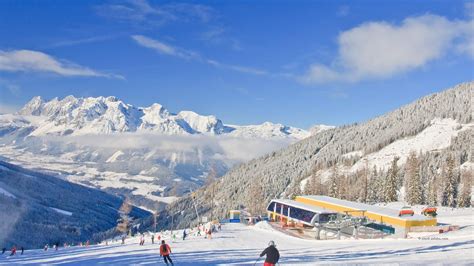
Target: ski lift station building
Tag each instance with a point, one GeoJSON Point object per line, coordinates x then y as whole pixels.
{"type": "Point", "coordinates": [286, 210]}
{"type": "Point", "coordinates": [381, 215]}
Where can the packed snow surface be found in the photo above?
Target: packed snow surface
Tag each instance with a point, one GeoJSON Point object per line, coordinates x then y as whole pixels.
{"type": "Point", "coordinates": [238, 244]}
{"type": "Point", "coordinates": [435, 137]}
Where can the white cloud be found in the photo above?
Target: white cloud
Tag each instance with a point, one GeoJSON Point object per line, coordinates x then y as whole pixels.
{"type": "Point", "coordinates": [34, 61]}
{"type": "Point", "coordinates": [382, 49]}
{"type": "Point", "coordinates": [163, 48]}
{"type": "Point", "coordinates": [170, 50]}
{"type": "Point", "coordinates": [230, 150]}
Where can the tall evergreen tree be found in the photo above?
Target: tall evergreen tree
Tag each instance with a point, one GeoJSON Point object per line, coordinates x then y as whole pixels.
{"type": "Point", "coordinates": [450, 183]}
{"type": "Point", "coordinates": [372, 187]}
{"type": "Point", "coordinates": [343, 187]}
{"type": "Point", "coordinates": [391, 182]}
{"type": "Point", "coordinates": [255, 202]}
{"type": "Point", "coordinates": [465, 195]}
{"type": "Point", "coordinates": [433, 192]}
{"type": "Point", "coordinates": [413, 194]}
{"type": "Point", "coordinates": [333, 186]}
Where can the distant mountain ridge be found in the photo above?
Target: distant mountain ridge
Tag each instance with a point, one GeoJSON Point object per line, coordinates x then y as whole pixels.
{"type": "Point", "coordinates": [106, 115]}
{"type": "Point", "coordinates": [148, 154]}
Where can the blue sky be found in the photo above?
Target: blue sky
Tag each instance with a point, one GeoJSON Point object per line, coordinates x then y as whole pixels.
{"type": "Point", "coordinates": [294, 62]}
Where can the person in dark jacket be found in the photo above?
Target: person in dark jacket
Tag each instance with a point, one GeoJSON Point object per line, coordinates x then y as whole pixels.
{"type": "Point", "coordinates": [272, 254]}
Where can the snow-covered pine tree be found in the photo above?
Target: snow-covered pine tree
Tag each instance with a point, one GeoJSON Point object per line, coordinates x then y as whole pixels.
{"type": "Point", "coordinates": [372, 186]}
{"type": "Point", "coordinates": [449, 183]}
{"type": "Point", "coordinates": [365, 183]}
{"type": "Point", "coordinates": [390, 190]}
{"type": "Point", "coordinates": [466, 183]}
{"type": "Point", "coordinates": [343, 184]}
{"type": "Point", "coordinates": [413, 193]}
{"type": "Point", "coordinates": [210, 181]}
{"type": "Point", "coordinates": [255, 194]}
{"type": "Point", "coordinates": [333, 183]}
{"type": "Point", "coordinates": [433, 192]}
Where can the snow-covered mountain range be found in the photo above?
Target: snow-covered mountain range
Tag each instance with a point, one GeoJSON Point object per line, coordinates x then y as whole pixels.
{"type": "Point", "coordinates": [149, 154]}
{"type": "Point", "coordinates": [105, 115]}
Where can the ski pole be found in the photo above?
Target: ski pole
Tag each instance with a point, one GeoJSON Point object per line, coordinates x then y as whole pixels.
{"type": "Point", "coordinates": [256, 262]}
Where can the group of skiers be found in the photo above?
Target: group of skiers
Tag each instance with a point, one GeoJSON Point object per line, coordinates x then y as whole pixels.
{"type": "Point", "coordinates": [271, 252]}
{"type": "Point", "coordinates": [13, 250]}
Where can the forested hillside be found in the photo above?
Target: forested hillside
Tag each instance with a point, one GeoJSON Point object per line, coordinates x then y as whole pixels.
{"type": "Point", "coordinates": [38, 209]}
{"type": "Point", "coordinates": [363, 162]}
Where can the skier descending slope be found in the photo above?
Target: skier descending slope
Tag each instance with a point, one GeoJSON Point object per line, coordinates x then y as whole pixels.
{"type": "Point", "coordinates": [184, 234]}
{"type": "Point", "coordinates": [165, 252]}
{"type": "Point", "coordinates": [272, 254]}
{"type": "Point", "coordinates": [13, 251]}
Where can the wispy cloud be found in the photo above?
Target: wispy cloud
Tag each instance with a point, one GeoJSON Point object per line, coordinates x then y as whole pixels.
{"type": "Point", "coordinates": [217, 35]}
{"type": "Point", "coordinates": [148, 15]}
{"type": "Point", "coordinates": [170, 50]}
{"type": "Point", "coordinates": [381, 49]}
{"type": "Point", "coordinates": [34, 61]}
{"type": "Point", "coordinates": [82, 41]}
{"type": "Point", "coordinates": [141, 12]}
{"type": "Point", "coordinates": [231, 150]}
{"type": "Point", "coordinates": [164, 48]}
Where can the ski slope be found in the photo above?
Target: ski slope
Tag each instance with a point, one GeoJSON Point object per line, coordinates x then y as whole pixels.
{"type": "Point", "coordinates": [238, 244]}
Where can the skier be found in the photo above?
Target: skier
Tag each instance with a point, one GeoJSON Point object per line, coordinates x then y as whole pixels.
{"type": "Point", "coordinates": [123, 240]}
{"type": "Point", "coordinates": [22, 250]}
{"type": "Point", "coordinates": [272, 254]}
{"type": "Point", "coordinates": [165, 252]}
{"type": "Point", "coordinates": [13, 251]}
{"type": "Point", "coordinates": [57, 246]}
{"type": "Point", "coordinates": [152, 239]}
{"type": "Point", "coordinates": [3, 250]}
{"type": "Point", "coordinates": [209, 233]}
{"type": "Point", "coordinates": [141, 240]}
{"type": "Point", "coordinates": [184, 234]}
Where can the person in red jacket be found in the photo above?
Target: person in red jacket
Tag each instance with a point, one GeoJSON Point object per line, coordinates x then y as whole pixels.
{"type": "Point", "coordinates": [165, 251]}
{"type": "Point", "coordinates": [13, 251]}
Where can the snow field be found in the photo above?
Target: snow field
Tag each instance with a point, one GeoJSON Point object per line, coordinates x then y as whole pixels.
{"type": "Point", "coordinates": [238, 244]}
